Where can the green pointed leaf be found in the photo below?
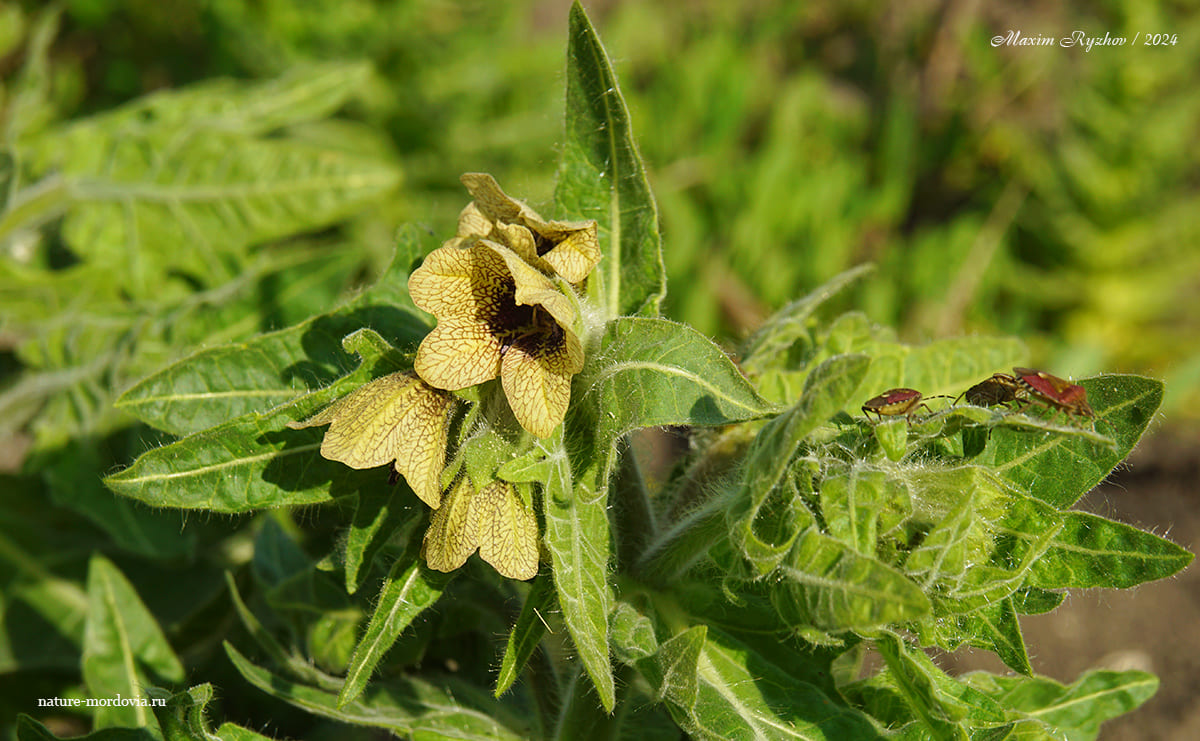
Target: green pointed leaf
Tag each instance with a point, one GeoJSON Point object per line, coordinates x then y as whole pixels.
{"type": "Point", "coordinates": [996, 628]}
{"type": "Point", "coordinates": [740, 694]}
{"type": "Point", "coordinates": [410, 588]}
{"type": "Point", "coordinates": [646, 372]}
{"type": "Point", "coordinates": [829, 586]}
{"type": "Point", "coordinates": [253, 462]}
{"type": "Point", "coordinates": [525, 636]}
{"type": "Point", "coordinates": [1077, 709]}
{"type": "Point", "coordinates": [1091, 551]}
{"type": "Point", "coordinates": [649, 372]}
{"type": "Point", "coordinates": [218, 384]}
{"type": "Point", "coordinates": [408, 707]}
{"type": "Point", "coordinates": [1059, 469]}
{"type": "Point", "coordinates": [993, 627]}
{"type": "Point", "coordinates": [256, 461]}
{"type": "Point", "coordinates": [121, 641]}
{"type": "Point", "coordinates": [577, 538]}
{"type": "Point", "coordinates": [601, 177]}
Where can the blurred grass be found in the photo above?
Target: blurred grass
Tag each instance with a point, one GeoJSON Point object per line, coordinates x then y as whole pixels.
{"type": "Point", "coordinates": [1047, 192]}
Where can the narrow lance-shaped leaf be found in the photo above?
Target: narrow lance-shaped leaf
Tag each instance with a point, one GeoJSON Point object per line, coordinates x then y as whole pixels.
{"type": "Point", "coordinates": [601, 177]}
{"type": "Point", "coordinates": [409, 707]}
{"type": "Point", "coordinates": [1091, 551]}
{"type": "Point", "coordinates": [741, 694]}
{"type": "Point", "coordinates": [409, 589]}
{"type": "Point", "coordinates": [525, 636]}
{"type": "Point", "coordinates": [577, 538]}
{"type": "Point", "coordinates": [993, 627]}
{"type": "Point", "coordinates": [121, 641]}
{"type": "Point", "coordinates": [1077, 709]}
{"type": "Point", "coordinates": [255, 461]}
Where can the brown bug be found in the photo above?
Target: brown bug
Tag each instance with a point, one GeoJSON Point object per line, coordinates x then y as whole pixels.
{"type": "Point", "coordinates": [1054, 392]}
{"type": "Point", "coordinates": [1001, 388]}
{"type": "Point", "coordinates": [896, 402]}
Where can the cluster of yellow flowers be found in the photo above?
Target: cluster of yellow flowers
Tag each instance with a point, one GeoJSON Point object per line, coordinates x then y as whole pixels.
{"type": "Point", "coordinates": [500, 313]}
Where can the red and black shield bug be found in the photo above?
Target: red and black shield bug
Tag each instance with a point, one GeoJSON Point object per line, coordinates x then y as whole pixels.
{"type": "Point", "coordinates": [896, 402]}
{"type": "Point", "coordinates": [1054, 392]}
{"type": "Point", "coordinates": [1001, 388]}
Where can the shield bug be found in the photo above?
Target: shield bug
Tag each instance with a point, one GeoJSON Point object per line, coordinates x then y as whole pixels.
{"type": "Point", "coordinates": [895, 402]}
{"type": "Point", "coordinates": [1001, 388]}
{"type": "Point", "coordinates": [1054, 392]}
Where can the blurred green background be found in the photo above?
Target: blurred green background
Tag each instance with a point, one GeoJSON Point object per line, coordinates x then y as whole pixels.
{"type": "Point", "coordinates": [1050, 193]}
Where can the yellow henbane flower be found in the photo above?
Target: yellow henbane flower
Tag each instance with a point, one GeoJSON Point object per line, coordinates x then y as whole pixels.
{"type": "Point", "coordinates": [394, 418]}
{"type": "Point", "coordinates": [569, 248]}
{"type": "Point", "coordinates": [493, 520]}
{"type": "Point", "coordinates": [497, 316]}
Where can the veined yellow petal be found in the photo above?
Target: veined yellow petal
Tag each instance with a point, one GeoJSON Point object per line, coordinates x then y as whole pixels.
{"type": "Point", "coordinates": [492, 201]}
{"type": "Point", "coordinates": [458, 353]}
{"type": "Point", "coordinates": [538, 388]}
{"type": "Point", "coordinates": [421, 455]}
{"type": "Point", "coordinates": [452, 536]}
{"type": "Point", "coordinates": [577, 251]}
{"type": "Point", "coordinates": [507, 531]}
{"type": "Point", "coordinates": [533, 288]}
{"type": "Point", "coordinates": [473, 223]}
{"type": "Point", "coordinates": [393, 418]}
{"type": "Point", "coordinates": [457, 280]}
{"type": "Point", "coordinates": [520, 240]}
